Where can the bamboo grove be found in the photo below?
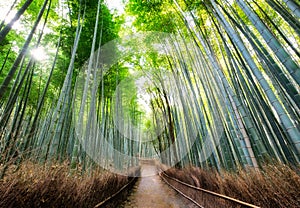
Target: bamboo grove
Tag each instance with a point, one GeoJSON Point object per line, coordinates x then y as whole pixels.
{"type": "Point", "coordinates": [223, 85]}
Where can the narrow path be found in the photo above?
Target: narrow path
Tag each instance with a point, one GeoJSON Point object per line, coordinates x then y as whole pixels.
{"type": "Point", "coordinates": [150, 192]}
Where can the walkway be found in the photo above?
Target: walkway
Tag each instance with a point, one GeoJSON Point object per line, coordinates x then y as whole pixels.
{"type": "Point", "coordinates": [150, 192]}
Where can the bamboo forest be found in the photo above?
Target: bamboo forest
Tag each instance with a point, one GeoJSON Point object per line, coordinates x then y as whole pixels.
{"type": "Point", "coordinates": [150, 103]}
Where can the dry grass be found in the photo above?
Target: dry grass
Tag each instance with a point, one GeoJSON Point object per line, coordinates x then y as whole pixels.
{"type": "Point", "coordinates": [273, 186]}
{"type": "Point", "coordinates": [37, 186]}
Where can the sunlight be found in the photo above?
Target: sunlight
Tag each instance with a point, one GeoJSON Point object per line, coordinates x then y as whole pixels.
{"type": "Point", "coordinates": [39, 54]}
{"type": "Point", "coordinates": [117, 5]}
{"type": "Point", "coordinates": [17, 25]}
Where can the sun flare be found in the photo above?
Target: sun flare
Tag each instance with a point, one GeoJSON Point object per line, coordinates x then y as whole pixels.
{"type": "Point", "coordinates": [39, 54]}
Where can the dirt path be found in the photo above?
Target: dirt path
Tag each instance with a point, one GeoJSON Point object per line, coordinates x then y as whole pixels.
{"type": "Point", "coordinates": [151, 192]}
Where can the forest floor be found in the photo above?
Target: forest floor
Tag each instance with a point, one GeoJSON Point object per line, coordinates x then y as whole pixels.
{"type": "Point", "coordinates": [150, 191]}
{"type": "Point", "coordinates": [274, 185]}
{"type": "Point", "coordinates": [34, 185]}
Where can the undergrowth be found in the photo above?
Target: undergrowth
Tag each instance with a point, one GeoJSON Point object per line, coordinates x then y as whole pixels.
{"type": "Point", "coordinates": [272, 186]}
{"type": "Point", "coordinates": [52, 186]}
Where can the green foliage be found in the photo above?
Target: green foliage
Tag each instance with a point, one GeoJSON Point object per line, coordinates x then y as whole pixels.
{"type": "Point", "coordinates": [227, 70]}
{"type": "Point", "coordinates": [152, 15]}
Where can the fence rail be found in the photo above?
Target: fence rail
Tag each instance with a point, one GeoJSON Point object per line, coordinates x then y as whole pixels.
{"type": "Point", "coordinates": [207, 198]}
{"type": "Point", "coordinates": [114, 195]}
